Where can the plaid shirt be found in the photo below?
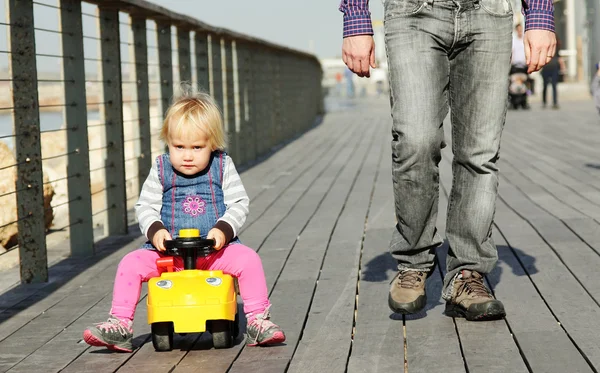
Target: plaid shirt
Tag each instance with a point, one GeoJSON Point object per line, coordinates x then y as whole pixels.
{"type": "Point", "coordinates": [539, 14]}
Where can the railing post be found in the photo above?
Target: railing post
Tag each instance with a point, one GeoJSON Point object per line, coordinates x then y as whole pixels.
{"type": "Point", "coordinates": [202, 61]}
{"type": "Point", "coordinates": [260, 75]}
{"type": "Point", "coordinates": [238, 105]}
{"type": "Point", "coordinates": [277, 102]}
{"type": "Point", "coordinates": [165, 61]}
{"type": "Point", "coordinates": [30, 198]}
{"type": "Point", "coordinates": [78, 163]}
{"type": "Point", "coordinates": [216, 84]}
{"type": "Point", "coordinates": [140, 56]}
{"type": "Point", "coordinates": [229, 99]}
{"type": "Point", "coordinates": [271, 126]}
{"type": "Point", "coordinates": [183, 51]}
{"type": "Point", "coordinates": [247, 134]}
{"type": "Point", "coordinates": [116, 197]}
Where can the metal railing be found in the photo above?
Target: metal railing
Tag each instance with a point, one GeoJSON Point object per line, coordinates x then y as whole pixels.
{"type": "Point", "coordinates": [120, 63]}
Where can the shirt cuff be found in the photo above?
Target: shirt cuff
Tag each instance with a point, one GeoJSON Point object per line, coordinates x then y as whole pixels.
{"type": "Point", "coordinates": [539, 20]}
{"type": "Point", "coordinates": [226, 229]}
{"type": "Point", "coordinates": [358, 24]}
{"type": "Point", "coordinates": [154, 227]}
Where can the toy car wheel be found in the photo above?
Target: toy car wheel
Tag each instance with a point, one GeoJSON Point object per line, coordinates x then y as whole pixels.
{"type": "Point", "coordinates": [222, 333]}
{"type": "Point", "coordinates": [162, 336]}
{"type": "Point", "coordinates": [236, 326]}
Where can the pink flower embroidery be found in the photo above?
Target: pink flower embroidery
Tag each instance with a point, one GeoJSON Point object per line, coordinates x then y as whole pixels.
{"type": "Point", "coordinates": [194, 205]}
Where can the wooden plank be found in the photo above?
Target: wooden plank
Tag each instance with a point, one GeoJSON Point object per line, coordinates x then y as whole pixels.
{"type": "Point", "coordinates": [29, 183]}
{"type": "Point", "coordinates": [99, 359]}
{"type": "Point", "coordinates": [78, 163]}
{"type": "Point", "coordinates": [272, 213]}
{"type": "Point", "coordinates": [287, 160]}
{"type": "Point", "coordinates": [588, 230]}
{"type": "Point", "coordinates": [378, 341]}
{"type": "Point", "coordinates": [544, 344]}
{"type": "Point", "coordinates": [65, 278]}
{"type": "Point", "coordinates": [486, 347]}
{"type": "Point", "coordinates": [48, 325]}
{"type": "Point", "coordinates": [431, 342]}
{"type": "Point", "coordinates": [327, 337]}
{"type": "Point", "coordinates": [552, 166]}
{"type": "Point", "coordinates": [558, 286]}
{"type": "Point", "coordinates": [555, 159]}
{"type": "Point", "coordinates": [537, 194]}
{"type": "Point", "coordinates": [67, 346]}
{"type": "Point", "coordinates": [551, 188]}
{"type": "Point", "coordinates": [574, 253]}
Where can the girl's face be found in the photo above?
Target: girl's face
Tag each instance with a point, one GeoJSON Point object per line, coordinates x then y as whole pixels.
{"type": "Point", "coordinates": [189, 155]}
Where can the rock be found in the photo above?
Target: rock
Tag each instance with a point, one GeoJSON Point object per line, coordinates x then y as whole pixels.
{"type": "Point", "coordinates": [8, 203]}
{"type": "Point", "coordinates": [8, 199]}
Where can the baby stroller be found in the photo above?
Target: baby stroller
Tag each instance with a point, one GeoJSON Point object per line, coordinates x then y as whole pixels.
{"type": "Point", "coordinates": [519, 87]}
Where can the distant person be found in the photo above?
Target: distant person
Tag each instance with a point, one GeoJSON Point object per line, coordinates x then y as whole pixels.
{"type": "Point", "coordinates": [338, 83]}
{"type": "Point", "coordinates": [596, 87]}
{"type": "Point", "coordinates": [518, 48]}
{"type": "Point", "coordinates": [551, 75]}
{"type": "Point", "coordinates": [519, 68]}
{"type": "Point", "coordinates": [194, 185]}
{"type": "Point", "coordinates": [349, 83]}
{"type": "Point", "coordinates": [379, 76]}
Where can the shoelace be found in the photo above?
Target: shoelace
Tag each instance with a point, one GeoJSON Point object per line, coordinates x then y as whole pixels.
{"type": "Point", "coordinates": [263, 322]}
{"type": "Point", "coordinates": [409, 279]}
{"type": "Point", "coordinates": [113, 324]}
{"type": "Point", "coordinates": [474, 286]}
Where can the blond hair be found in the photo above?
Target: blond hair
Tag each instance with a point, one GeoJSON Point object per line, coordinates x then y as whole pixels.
{"type": "Point", "coordinates": [192, 113]}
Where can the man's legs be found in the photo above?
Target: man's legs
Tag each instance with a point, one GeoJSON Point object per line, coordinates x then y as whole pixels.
{"type": "Point", "coordinates": [545, 90]}
{"type": "Point", "coordinates": [416, 40]}
{"type": "Point", "coordinates": [479, 67]}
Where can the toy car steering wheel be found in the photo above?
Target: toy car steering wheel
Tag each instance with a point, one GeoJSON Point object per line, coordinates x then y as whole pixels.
{"type": "Point", "coordinates": [189, 245]}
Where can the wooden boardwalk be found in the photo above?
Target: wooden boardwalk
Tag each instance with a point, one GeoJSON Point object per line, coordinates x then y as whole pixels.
{"type": "Point", "coordinates": [321, 219]}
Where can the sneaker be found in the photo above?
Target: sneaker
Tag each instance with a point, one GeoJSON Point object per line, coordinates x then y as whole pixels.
{"type": "Point", "coordinates": [407, 293]}
{"type": "Point", "coordinates": [114, 334]}
{"type": "Point", "coordinates": [471, 299]}
{"type": "Point", "coordinates": [262, 331]}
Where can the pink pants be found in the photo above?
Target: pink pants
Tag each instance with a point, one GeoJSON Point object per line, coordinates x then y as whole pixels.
{"type": "Point", "coordinates": [236, 260]}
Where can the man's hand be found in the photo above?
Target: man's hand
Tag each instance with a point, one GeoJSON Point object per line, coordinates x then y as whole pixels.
{"type": "Point", "coordinates": [358, 53]}
{"type": "Point", "coordinates": [218, 236]}
{"type": "Point", "coordinates": [540, 47]}
{"type": "Point", "coordinates": [159, 239]}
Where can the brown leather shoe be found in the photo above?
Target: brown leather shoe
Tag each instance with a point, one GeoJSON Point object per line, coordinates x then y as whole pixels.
{"type": "Point", "coordinates": [407, 293]}
{"type": "Point", "coordinates": [471, 299]}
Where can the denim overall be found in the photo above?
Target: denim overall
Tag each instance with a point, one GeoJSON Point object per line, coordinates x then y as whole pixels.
{"type": "Point", "coordinates": [191, 201]}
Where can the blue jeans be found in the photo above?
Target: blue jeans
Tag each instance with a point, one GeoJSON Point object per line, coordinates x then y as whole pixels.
{"type": "Point", "coordinates": [551, 76]}
{"type": "Point", "coordinates": [447, 54]}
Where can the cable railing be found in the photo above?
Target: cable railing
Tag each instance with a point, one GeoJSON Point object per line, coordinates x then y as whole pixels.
{"type": "Point", "coordinates": [91, 81]}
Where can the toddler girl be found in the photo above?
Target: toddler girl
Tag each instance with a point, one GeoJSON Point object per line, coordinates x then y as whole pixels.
{"type": "Point", "coordinates": [195, 185]}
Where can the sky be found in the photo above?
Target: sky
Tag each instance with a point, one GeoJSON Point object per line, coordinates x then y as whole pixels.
{"type": "Point", "coordinates": [295, 24]}
{"type": "Point", "coordinates": [313, 26]}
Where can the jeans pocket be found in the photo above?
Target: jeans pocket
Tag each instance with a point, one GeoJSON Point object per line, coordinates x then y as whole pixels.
{"type": "Point", "coordinates": [497, 8]}
{"type": "Point", "coordinates": [402, 8]}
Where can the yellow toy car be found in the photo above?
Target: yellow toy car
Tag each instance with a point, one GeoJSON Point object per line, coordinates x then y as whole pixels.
{"type": "Point", "coordinates": [191, 300]}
